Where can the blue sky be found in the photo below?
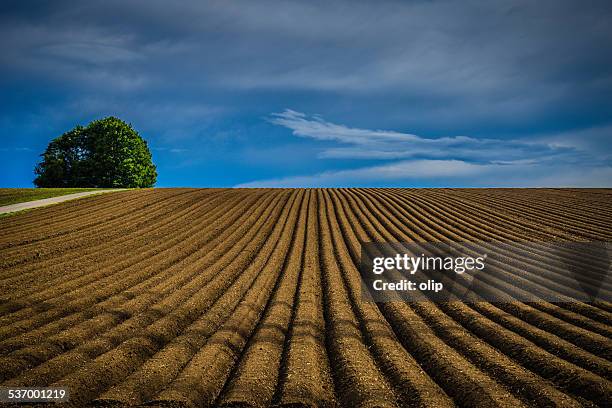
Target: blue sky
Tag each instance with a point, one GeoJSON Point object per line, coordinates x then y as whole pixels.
{"type": "Point", "coordinates": [391, 93]}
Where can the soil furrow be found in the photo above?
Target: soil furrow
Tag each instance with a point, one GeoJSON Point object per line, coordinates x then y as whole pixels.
{"type": "Point", "coordinates": [253, 298]}
{"type": "Point", "coordinates": [195, 386]}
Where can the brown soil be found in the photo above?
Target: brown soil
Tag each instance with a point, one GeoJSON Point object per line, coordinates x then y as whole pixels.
{"type": "Point", "coordinates": [251, 298]}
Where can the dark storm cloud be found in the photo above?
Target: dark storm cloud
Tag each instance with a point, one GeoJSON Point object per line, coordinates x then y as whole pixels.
{"type": "Point", "coordinates": [510, 56]}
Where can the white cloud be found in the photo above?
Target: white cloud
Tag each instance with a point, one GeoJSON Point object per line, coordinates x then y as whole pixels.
{"type": "Point", "coordinates": [554, 161]}
{"type": "Point", "coordinates": [419, 169]}
{"type": "Point", "coordinates": [450, 173]}
{"type": "Point", "coordinates": [387, 145]}
{"type": "Point", "coordinates": [596, 140]}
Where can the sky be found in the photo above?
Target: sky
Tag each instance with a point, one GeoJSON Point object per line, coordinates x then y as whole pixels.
{"type": "Point", "coordinates": [319, 93]}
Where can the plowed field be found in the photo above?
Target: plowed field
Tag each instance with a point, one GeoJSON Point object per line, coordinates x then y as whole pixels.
{"type": "Point", "coordinates": [235, 297]}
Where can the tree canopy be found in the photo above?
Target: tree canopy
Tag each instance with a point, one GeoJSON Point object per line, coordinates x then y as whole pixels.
{"type": "Point", "coordinates": [106, 153]}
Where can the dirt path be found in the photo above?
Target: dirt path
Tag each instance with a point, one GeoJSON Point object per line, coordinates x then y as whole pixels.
{"type": "Point", "coordinates": [48, 201]}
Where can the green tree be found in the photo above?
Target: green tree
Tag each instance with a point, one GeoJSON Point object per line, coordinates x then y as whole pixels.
{"type": "Point", "coordinates": [106, 153]}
